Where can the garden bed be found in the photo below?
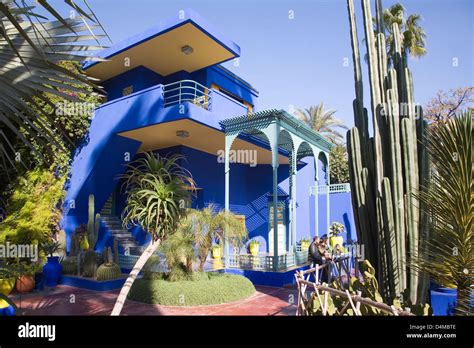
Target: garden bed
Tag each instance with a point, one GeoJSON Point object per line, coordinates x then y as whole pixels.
{"type": "Point", "coordinates": [203, 289]}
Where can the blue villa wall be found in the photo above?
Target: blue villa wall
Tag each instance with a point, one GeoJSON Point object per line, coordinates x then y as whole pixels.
{"type": "Point", "coordinates": [100, 161]}
{"type": "Point", "coordinates": [142, 78]}
{"type": "Point", "coordinates": [249, 187]}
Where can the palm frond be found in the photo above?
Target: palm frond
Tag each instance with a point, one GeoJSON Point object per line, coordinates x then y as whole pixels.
{"type": "Point", "coordinates": [31, 48]}
{"type": "Point", "coordinates": [448, 255]}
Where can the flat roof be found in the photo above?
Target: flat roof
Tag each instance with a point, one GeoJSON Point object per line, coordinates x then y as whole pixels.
{"type": "Point", "coordinates": [160, 48]}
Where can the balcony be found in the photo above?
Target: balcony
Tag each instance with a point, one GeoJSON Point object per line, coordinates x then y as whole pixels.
{"type": "Point", "coordinates": [182, 91]}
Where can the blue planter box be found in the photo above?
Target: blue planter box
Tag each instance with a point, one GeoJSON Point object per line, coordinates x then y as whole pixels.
{"type": "Point", "coordinates": [92, 284]}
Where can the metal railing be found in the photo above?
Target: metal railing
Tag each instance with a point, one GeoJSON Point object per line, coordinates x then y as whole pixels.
{"type": "Point", "coordinates": [333, 188]}
{"type": "Point", "coordinates": [187, 91]}
{"type": "Point", "coordinates": [264, 262]}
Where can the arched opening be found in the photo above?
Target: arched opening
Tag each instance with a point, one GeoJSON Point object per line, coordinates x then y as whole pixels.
{"type": "Point", "coordinates": [306, 207]}
{"type": "Point", "coordinates": [323, 193]}
{"type": "Point", "coordinates": [250, 166]}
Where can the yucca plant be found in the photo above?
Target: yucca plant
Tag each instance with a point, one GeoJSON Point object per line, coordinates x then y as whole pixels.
{"type": "Point", "coordinates": [32, 48]}
{"type": "Point", "coordinates": [158, 190]}
{"type": "Point", "coordinates": [211, 225]}
{"type": "Point", "coordinates": [448, 255]}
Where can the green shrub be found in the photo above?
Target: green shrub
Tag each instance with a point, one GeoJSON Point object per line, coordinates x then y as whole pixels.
{"type": "Point", "coordinates": [202, 289]}
{"type": "Point", "coordinates": [32, 210]}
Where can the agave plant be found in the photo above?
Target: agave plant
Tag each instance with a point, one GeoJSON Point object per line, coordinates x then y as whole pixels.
{"type": "Point", "coordinates": [31, 50]}
{"type": "Point", "coordinates": [448, 255]}
{"type": "Point", "coordinates": [158, 190]}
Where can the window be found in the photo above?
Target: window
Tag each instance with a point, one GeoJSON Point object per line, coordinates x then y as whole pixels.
{"type": "Point", "coordinates": [233, 96]}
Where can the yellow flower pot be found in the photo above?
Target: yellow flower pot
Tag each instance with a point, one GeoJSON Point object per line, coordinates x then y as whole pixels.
{"type": "Point", "coordinates": [84, 243]}
{"type": "Point", "coordinates": [304, 245]}
{"type": "Point", "coordinates": [254, 248]}
{"type": "Point", "coordinates": [333, 241]}
{"type": "Point", "coordinates": [7, 285]}
{"type": "Point", "coordinates": [216, 252]}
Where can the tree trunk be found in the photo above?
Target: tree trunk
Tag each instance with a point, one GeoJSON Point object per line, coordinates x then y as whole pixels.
{"type": "Point", "coordinates": [201, 264]}
{"type": "Point", "coordinates": [149, 251]}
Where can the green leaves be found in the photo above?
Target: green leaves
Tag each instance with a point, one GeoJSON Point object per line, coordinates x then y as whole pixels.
{"type": "Point", "coordinates": [322, 121]}
{"type": "Point", "coordinates": [157, 190]}
{"type": "Point", "coordinates": [32, 79]}
{"type": "Point", "coordinates": [210, 225]}
{"type": "Point", "coordinates": [448, 256]}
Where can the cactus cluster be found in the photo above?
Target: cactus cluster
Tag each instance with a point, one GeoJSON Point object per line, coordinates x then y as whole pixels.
{"type": "Point", "coordinates": [70, 265]}
{"type": "Point", "coordinates": [89, 267]}
{"type": "Point", "coordinates": [368, 288]}
{"type": "Point", "coordinates": [389, 168]}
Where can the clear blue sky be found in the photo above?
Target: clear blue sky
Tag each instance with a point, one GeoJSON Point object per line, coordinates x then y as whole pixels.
{"type": "Point", "coordinates": [299, 61]}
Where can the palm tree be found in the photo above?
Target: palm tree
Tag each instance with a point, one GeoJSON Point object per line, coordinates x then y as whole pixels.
{"type": "Point", "coordinates": [31, 50]}
{"type": "Point", "coordinates": [211, 226]}
{"type": "Point", "coordinates": [178, 250]}
{"type": "Point", "coordinates": [322, 121]}
{"type": "Point", "coordinates": [448, 255]}
{"type": "Point", "coordinates": [157, 189]}
{"type": "Point", "coordinates": [413, 36]}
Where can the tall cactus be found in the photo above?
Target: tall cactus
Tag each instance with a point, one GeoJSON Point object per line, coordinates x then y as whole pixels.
{"type": "Point", "coordinates": [385, 169]}
{"type": "Point", "coordinates": [93, 223]}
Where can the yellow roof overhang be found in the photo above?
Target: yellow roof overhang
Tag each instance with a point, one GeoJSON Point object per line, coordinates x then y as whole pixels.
{"type": "Point", "coordinates": [163, 54]}
{"type": "Point", "coordinates": [201, 137]}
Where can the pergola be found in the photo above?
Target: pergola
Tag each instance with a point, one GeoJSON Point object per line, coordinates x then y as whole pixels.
{"type": "Point", "coordinates": [281, 132]}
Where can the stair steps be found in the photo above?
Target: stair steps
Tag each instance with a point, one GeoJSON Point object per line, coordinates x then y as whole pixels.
{"type": "Point", "coordinates": [123, 236]}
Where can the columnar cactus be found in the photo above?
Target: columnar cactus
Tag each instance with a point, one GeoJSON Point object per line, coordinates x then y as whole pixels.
{"type": "Point", "coordinates": [387, 169]}
{"type": "Point", "coordinates": [93, 224]}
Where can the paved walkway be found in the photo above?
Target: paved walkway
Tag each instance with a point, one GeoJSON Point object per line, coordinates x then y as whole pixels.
{"type": "Point", "coordinates": [67, 300]}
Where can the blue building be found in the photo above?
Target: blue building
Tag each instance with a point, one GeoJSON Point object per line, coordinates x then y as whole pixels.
{"type": "Point", "coordinates": [168, 93]}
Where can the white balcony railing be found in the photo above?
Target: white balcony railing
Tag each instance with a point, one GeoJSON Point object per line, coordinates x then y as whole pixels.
{"type": "Point", "coordinates": [334, 188]}
{"type": "Point", "coordinates": [187, 91]}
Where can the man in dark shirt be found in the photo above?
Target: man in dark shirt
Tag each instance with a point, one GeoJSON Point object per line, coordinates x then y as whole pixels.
{"type": "Point", "coordinates": [318, 255]}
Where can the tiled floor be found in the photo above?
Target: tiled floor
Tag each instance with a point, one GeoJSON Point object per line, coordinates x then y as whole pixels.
{"type": "Point", "coordinates": [66, 300]}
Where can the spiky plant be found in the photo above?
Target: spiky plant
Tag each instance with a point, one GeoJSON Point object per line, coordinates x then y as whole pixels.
{"type": "Point", "coordinates": [448, 255]}
{"type": "Point", "coordinates": [158, 190]}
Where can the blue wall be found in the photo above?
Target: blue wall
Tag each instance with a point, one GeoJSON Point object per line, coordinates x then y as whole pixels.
{"type": "Point", "coordinates": [141, 78]}
{"type": "Point", "coordinates": [249, 189]}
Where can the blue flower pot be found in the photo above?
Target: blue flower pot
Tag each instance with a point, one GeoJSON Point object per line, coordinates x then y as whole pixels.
{"type": "Point", "coordinates": [52, 271]}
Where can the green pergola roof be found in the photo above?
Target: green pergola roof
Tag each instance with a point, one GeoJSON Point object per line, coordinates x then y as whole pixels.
{"type": "Point", "coordinates": [252, 123]}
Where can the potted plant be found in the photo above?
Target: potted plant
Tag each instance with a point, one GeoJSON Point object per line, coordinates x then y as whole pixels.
{"type": "Point", "coordinates": [26, 279]}
{"type": "Point", "coordinates": [52, 269]}
{"type": "Point", "coordinates": [216, 251]}
{"type": "Point", "coordinates": [335, 230]}
{"type": "Point", "coordinates": [304, 243]}
{"type": "Point", "coordinates": [254, 247]}
{"type": "Point", "coordinates": [7, 281]}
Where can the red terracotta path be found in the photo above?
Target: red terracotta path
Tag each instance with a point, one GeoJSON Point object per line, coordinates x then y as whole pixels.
{"type": "Point", "coordinates": [66, 300]}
